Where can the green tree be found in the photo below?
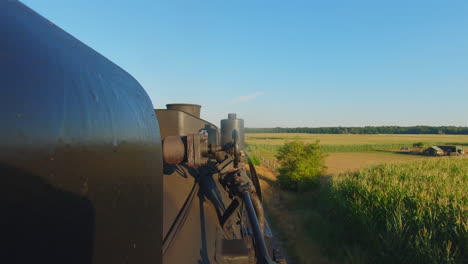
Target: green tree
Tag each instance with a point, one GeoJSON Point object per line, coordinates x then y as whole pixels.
{"type": "Point", "coordinates": [300, 165]}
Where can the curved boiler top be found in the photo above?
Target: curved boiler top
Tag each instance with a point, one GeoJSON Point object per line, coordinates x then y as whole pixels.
{"type": "Point", "coordinates": [80, 150]}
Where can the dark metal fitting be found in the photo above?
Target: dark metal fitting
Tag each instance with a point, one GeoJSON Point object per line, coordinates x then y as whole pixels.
{"type": "Point", "coordinates": [225, 166]}
{"type": "Point", "coordinates": [197, 151]}
{"type": "Point", "coordinates": [191, 149]}
{"type": "Point", "coordinates": [221, 156]}
{"type": "Point", "coordinates": [214, 149]}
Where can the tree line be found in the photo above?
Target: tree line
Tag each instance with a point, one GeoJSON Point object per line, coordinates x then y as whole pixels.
{"type": "Point", "coordinates": [450, 130]}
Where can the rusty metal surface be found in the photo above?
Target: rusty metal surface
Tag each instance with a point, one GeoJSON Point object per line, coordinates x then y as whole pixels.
{"type": "Point", "coordinates": [173, 150]}
{"type": "Point", "coordinates": [80, 151]}
{"type": "Point", "coordinates": [191, 152]}
{"type": "Point", "coordinates": [196, 150]}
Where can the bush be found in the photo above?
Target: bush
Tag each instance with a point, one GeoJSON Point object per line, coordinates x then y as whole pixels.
{"type": "Point", "coordinates": [255, 159]}
{"type": "Point", "coordinates": [420, 144]}
{"type": "Point", "coordinates": [300, 164]}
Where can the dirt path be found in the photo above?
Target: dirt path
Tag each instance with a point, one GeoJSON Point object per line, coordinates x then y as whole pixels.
{"type": "Point", "coordinates": [287, 224]}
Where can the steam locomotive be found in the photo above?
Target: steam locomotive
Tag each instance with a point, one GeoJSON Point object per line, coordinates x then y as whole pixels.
{"type": "Point", "coordinates": [92, 173]}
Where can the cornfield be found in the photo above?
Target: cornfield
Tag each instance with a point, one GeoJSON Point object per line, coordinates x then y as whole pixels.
{"type": "Point", "coordinates": [414, 212]}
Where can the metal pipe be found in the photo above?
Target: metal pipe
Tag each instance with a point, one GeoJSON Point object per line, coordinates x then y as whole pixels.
{"type": "Point", "coordinates": [259, 211]}
{"type": "Point", "coordinates": [262, 253]}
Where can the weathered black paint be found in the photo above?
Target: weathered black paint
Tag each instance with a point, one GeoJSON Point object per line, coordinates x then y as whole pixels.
{"type": "Point", "coordinates": [80, 151]}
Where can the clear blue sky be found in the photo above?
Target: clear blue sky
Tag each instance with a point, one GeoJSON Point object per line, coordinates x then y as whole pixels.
{"type": "Point", "coordinates": [287, 63]}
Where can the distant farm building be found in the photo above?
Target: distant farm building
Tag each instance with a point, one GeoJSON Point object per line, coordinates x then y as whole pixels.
{"type": "Point", "coordinates": [452, 150]}
{"type": "Point", "coordinates": [444, 150]}
{"type": "Point", "coordinates": [434, 151]}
